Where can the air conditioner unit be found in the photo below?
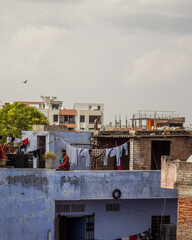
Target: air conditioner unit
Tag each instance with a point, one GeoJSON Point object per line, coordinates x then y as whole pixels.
{"type": "Point", "coordinates": [167, 232]}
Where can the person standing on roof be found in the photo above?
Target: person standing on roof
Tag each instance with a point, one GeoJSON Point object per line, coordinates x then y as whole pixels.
{"type": "Point", "coordinates": [64, 164]}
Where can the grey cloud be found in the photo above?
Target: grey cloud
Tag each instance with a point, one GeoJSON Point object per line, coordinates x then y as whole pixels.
{"type": "Point", "coordinates": [67, 50]}
{"type": "Point", "coordinates": [153, 22]}
{"type": "Point", "coordinates": [55, 1]}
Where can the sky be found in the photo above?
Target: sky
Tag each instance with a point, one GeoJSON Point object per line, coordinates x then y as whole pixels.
{"type": "Point", "coordinates": [128, 54]}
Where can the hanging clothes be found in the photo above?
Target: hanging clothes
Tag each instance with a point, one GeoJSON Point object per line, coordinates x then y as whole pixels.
{"type": "Point", "coordinates": [72, 153]}
{"type": "Point", "coordinates": [107, 151]}
{"type": "Point", "coordinates": [125, 147]}
{"type": "Point", "coordinates": [17, 140]}
{"type": "Point", "coordinates": [112, 152]}
{"type": "Point", "coordinates": [25, 141]}
{"type": "Point", "coordinates": [9, 139]}
{"type": "Point", "coordinates": [84, 153]}
{"type": "Point", "coordinates": [120, 167]}
{"type": "Point", "coordinates": [116, 152]}
{"type": "Point", "coordinates": [133, 237]}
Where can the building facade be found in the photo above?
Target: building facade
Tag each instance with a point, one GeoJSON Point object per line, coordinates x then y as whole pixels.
{"type": "Point", "coordinates": [81, 117]}
{"type": "Point", "coordinates": [146, 147]}
{"type": "Point", "coordinates": [87, 113]}
{"type": "Point", "coordinates": [79, 205]}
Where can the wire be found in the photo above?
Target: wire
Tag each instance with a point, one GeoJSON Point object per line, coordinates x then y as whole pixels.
{"type": "Point", "coordinates": [163, 210]}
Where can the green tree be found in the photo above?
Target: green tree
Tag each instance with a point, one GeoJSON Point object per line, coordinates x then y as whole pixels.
{"type": "Point", "coordinates": [17, 117]}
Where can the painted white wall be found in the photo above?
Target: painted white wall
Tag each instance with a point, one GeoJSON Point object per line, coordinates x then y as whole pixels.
{"type": "Point", "coordinates": [88, 109]}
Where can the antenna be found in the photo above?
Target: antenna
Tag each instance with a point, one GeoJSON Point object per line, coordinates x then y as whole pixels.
{"type": "Point", "coordinates": [120, 121]}
{"type": "Point", "coordinates": [126, 121]}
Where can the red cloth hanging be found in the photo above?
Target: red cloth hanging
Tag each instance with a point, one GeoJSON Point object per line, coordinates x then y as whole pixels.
{"type": "Point", "coordinates": [25, 141]}
{"type": "Point", "coordinates": [134, 237]}
{"type": "Point", "coordinates": [3, 149]}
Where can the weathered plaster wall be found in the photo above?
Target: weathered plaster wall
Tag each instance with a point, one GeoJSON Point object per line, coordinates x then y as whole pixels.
{"type": "Point", "coordinates": [27, 202]}
{"type": "Point", "coordinates": [168, 173]}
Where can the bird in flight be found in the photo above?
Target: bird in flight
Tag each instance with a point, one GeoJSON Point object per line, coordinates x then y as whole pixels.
{"type": "Point", "coordinates": [25, 81]}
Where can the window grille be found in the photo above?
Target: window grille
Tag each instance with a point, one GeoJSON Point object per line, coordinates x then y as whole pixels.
{"type": "Point", "coordinates": [77, 208]}
{"type": "Point", "coordinates": [112, 207]}
{"type": "Point", "coordinates": [155, 222]}
{"type": "Point", "coordinates": [63, 208]}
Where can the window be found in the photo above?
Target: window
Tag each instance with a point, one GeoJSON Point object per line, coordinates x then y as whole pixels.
{"type": "Point", "coordinates": [67, 119]}
{"type": "Point", "coordinates": [92, 119]}
{"type": "Point", "coordinates": [61, 119]}
{"type": "Point", "coordinates": [159, 149]}
{"type": "Point", "coordinates": [55, 118]}
{"type": "Point", "coordinates": [71, 119]}
{"type": "Point", "coordinates": [55, 106]}
{"type": "Point", "coordinates": [82, 118]}
{"type": "Point", "coordinates": [112, 207]}
{"type": "Point", "coordinates": [156, 221]}
{"type": "Point", "coordinates": [70, 208]}
{"type": "Point", "coordinates": [63, 208]}
{"type": "Point", "coordinates": [77, 208]}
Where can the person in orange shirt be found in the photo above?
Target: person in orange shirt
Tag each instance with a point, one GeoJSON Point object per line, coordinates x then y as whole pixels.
{"type": "Point", "coordinates": [64, 164]}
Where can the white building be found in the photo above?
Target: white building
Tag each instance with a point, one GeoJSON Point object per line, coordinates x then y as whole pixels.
{"type": "Point", "coordinates": [86, 113]}
{"type": "Point", "coordinates": [81, 117]}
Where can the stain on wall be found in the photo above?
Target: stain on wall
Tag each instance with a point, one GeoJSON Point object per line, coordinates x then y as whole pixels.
{"type": "Point", "coordinates": [40, 183]}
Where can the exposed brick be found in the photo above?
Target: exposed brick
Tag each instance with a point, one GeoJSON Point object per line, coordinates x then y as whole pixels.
{"type": "Point", "coordinates": [140, 150]}
{"type": "Point", "coordinates": [184, 221]}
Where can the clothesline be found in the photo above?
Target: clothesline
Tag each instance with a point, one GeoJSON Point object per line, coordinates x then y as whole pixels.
{"type": "Point", "coordinates": [74, 153]}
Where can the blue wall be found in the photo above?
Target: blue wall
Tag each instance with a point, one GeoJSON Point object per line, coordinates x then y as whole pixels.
{"type": "Point", "coordinates": [27, 199]}
{"type": "Point", "coordinates": [134, 216]}
{"type": "Point", "coordinates": [82, 139]}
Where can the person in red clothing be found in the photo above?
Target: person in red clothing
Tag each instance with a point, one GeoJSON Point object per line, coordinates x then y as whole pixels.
{"type": "Point", "coordinates": [64, 161]}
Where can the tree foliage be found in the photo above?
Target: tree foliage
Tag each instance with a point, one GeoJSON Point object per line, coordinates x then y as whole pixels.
{"type": "Point", "coordinates": [17, 117]}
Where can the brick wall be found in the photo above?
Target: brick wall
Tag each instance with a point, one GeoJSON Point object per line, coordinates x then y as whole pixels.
{"type": "Point", "coordinates": [140, 153]}
{"type": "Point", "coordinates": [184, 215]}
{"type": "Point", "coordinates": [140, 150]}
{"type": "Point", "coordinates": [97, 160]}
{"type": "Point", "coordinates": [100, 144]}
{"type": "Point", "coordinates": [181, 148]}
{"type": "Point", "coordinates": [184, 174]}
{"type": "Point", "coordinates": [184, 219]}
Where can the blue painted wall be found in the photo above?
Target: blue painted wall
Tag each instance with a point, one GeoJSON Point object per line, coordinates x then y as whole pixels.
{"type": "Point", "coordinates": [80, 139]}
{"type": "Point", "coordinates": [27, 200]}
{"type": "Point", "coordinates": [134, 216]}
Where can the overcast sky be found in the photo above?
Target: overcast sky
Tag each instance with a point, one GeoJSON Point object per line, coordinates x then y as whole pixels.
{"type": "Point", "coordinates": [127, 54]}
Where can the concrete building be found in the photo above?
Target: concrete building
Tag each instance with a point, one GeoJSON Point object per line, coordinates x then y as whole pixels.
{"type": "Point", "coordinates": [79, 205]}
{"type": "Point", "coordinates": [56, 115]}
{"type": "Point", "coordinates": [81, 117]}
{"type": "Point", "coordinates": [82, 203]}
{"type": "Point", "coordinates": [87, 113]}
{"type": "Point", "coordinates": [146, 119]}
